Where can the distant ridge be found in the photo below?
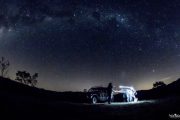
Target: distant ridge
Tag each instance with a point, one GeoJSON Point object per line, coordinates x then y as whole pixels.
{"type": "Point", "coordinates": [160, 92]}
{"type": "Point", "coordinates": [9, 88]}
{"type": "Point", "coordinates": [12, 88]}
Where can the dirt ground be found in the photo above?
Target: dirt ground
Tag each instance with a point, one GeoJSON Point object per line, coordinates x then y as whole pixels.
{"type": "Point", "coordinates": [28, 108]}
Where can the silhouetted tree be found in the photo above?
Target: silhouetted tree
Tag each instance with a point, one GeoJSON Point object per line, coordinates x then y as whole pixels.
{"type": "Point", "coordinates": [33, 80]}
{"type": "Point", "coordinates": [4, 65]}
{"type": "Point", "coordinates": [26, 78]}
{"type": "Point", "coordinates": [158, 84]}
{"type": "Point", "coordinates": [22, 76]}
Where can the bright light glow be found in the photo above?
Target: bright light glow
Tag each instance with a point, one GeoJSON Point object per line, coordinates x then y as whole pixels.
{"type": "Point", "coordinates": [132, 103]}
{"type": "Point", "coordinates": [126, 87]}
{"type": "Point", "coordinates": [129, 93]}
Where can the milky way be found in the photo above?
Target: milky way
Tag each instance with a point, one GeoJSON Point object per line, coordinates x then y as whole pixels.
{"type": "Point", "coordinates": [74, 45]}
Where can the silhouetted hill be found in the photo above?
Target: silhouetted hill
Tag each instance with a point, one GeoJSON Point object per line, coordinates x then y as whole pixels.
{"type": "Point", "coordinates": [9, 88]}
{"type": "Point", "coordinates": [172, 89]}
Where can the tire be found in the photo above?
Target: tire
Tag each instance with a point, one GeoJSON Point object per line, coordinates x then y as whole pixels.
{"type": "Point", "coordinates": [94, 100]}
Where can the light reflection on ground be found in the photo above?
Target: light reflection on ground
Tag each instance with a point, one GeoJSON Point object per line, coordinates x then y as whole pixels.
{"type": "Point", "coordinates": [129, 103]}
{"type": "Point", "coordinates": [124, 103]}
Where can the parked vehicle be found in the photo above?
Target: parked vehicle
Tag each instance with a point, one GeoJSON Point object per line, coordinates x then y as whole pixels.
{"type": "Point", "coordinates": [97, 94]}
{"type": "Point", "coordinates": [100, 94]}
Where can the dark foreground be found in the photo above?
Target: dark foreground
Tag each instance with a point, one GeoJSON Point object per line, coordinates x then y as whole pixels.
{"type": "Point", "coordinates": [22, 108]}
{"type": "Point", "coordinates": [21, 102]}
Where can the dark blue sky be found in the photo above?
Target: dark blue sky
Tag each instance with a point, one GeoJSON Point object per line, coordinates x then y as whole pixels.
{"type": "Point", "coordinates": [74, 45]}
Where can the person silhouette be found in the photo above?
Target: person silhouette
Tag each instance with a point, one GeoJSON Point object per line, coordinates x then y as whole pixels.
{"type": "Point", "coordinates": [109, 90]}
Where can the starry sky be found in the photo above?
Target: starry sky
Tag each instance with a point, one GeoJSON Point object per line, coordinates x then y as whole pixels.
{"type": "Point", "coordinates": [77, 44]}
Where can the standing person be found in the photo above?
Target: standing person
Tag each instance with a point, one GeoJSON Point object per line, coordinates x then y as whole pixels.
{"type": "Point", "coordinates": [110, 90]}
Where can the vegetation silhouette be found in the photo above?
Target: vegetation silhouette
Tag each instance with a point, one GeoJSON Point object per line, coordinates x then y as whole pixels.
{"type": "Point", "coordinates": [27, 78]}
{"type": "Point", "coordinates": [4, 65]}
{"type": "Point", "coordinates": [158, 84]}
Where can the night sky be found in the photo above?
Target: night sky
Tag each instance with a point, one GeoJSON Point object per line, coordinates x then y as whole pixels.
{"type": "Point", "coordinates": [76, 44]}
